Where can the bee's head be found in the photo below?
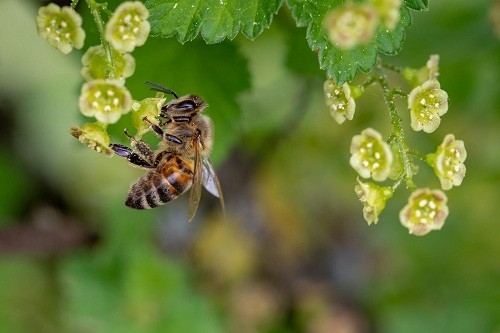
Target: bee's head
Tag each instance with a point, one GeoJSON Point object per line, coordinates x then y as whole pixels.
{"type": "Point", "coordinates": [184, 106]}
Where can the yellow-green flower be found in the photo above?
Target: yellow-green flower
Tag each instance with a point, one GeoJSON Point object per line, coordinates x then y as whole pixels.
{"type": "Point", "coordinates": [426, 211]}
{"type": "Point", "coordinates": [430, 71]}
{"type": "Point", "coordinates": [388, 12]}
{"type": "Point", "coordinates": [373, 198]}
{"type": "Point", "coordinates": [149, 108]}
{"type": "Point", "coordinates": [448, 162]}
{"type": "Point", "coordinates": [61, 27]}
{"type": "Point", "coordinates": [95, 65]}
{"type": "Point", "coordinates": [339, 100]}
{"type": "Point", "coordinates": [94, 136]}
{"type": "Point", "coordinates": [351, 25]}
{"type": "Point", "coordinates": [128, 27]}
{"type": "Point", "coordinates": [427, 103]}
{"type": "Point", "coordinates": [106, 100]}
{"type": "Point", "coordinates": [370, 155]}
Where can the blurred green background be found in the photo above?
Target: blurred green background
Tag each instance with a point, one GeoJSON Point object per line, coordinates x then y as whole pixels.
{"type": "Point", "coordinates": [293, 253]}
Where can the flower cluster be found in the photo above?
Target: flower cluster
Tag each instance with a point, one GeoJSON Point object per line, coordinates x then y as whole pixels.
{"type": "Point", "coordinates": [355, 24]}
{"type": "Point", "coordinates": [372, 157]}
{"type": "Point", "coordinates": [105, 66]}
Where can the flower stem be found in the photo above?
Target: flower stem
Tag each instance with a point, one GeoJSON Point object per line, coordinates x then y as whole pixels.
{"type": "Point", "coordinates": [398, 133]}
{"type": "Point", "coordinates": [94, 9]}
{"type": "Point", "coordinates": [74, 3]}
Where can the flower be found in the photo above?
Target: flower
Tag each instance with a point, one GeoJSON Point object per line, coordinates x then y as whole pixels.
{"type": "Point", "coordinates": [430, 71]}
{"type": "Point", "coordinates": [371, 156]}
{"type": "Point", "coordinates": [426, 211]}
{"type": "Point", "coordinates": [95, 65]}
{"type": "Point", "coordinates": [339, 100]}
{"type": "Point", "coordinates": [61, 27]}
{"type": "Point", "coordinates": [106, 100]}
{"type": "Point", "coordinates": [94, 136]}
{"type": "Point", "coordinates": [351, 25]}
{"type": "Point", "coordinates": [373, 198]}
{"type": "Point", "coordinates": [448, 162]}
{"type": "Point", "coordinates": [427, 103]}
{"type": "Point", "coordinates": [128, 27]}
{"type": "Point", "coordinates": [149, 108]}
{"type": "Point", "coordinates": [388, 11]}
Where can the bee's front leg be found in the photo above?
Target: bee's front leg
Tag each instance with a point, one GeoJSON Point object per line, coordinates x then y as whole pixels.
{"type": "Point", "coordinates": [161, 133]}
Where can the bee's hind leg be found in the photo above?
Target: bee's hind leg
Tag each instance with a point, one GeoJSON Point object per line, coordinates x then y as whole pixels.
{"type": "Point", "coordinates": [130, 155]}
{"type": "Point", "coordinates": [140, 154]}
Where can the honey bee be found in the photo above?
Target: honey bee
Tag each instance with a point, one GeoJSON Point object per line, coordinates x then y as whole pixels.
{"type": "Point", "coordinates": [181, 161]}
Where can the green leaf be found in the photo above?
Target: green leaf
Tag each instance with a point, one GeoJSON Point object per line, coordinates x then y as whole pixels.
{"type": "Point", "coordinates": [215, 20]}
{"type": "Point", "coordinates": [417, 4]}
{"type": "Point", "coordinates": [343, 65]}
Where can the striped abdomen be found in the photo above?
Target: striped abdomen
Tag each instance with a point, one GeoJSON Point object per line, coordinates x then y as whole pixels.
{"type": "Point", "coordinates": [172, 177]}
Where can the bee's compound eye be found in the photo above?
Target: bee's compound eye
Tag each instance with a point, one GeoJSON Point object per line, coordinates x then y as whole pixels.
{"type": "Point", "coordinates": [188, 105]}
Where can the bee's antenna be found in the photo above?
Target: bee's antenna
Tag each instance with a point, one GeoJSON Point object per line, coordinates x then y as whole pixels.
{"type": "Point", "coordinates": [157, 87]}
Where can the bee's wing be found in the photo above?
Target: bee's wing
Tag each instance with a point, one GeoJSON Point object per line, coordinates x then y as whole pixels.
{"type": "Point", "coordinates": [195, 193]}
{"type": "Point", "coordinates": [210, 180]}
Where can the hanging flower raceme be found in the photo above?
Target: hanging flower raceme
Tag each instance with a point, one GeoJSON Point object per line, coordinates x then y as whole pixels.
{"type": "Point", "coordinates": [94, 136]}
{"type": "Point", "coordinates": [106, 100]}
{"type": "Point", "coordinates": [339, 100]}
{"type": "Point", "coordinates": [351, 25]}
{"type": "Point", "coordinates": [426, 211]}
{"type": "Point", "coordinates": [448, 162]}
{"type": "Point", "coordinates": [61, 27]}
{"type": "Point", "coordinates": [128, 27]}
{"type": "Point", "coordinates": [427, 103]}
{"type": "Point", "coordinates": [371, 156]}
{"type": "Point", "coordinates": [95, 64]}
{"type": "Point", "coordinates": [373, 198]}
